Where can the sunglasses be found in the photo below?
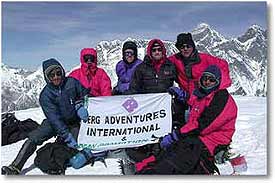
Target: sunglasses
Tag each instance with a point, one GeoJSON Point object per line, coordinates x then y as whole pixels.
{"type": "Point", "coordinates": [88, 57]}
{"type": "Point", "coordinates": [185, 46]}
{"type": "Point", "coordinates": [156, 49]}
{"type": "Point", "coordinates": [57, 73]}
{"type": "Point", "coordinates": [210, 78]}
{"type": "Point", "coordinates": [129, 53]}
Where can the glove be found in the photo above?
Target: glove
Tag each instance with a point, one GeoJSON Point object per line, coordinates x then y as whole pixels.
{"type": "Point", "coordinates": [84, 156]}
{"type": "Point", "coordinates": [82, 112]}
{"type": "Point", "coordinates": [167, 140]}
{"type": "Point", "coordinates": [70, 140]}
{"type": "Point", "coordinates": [80, 159]}
{"type": "Point", "coordinates": [180, 94]}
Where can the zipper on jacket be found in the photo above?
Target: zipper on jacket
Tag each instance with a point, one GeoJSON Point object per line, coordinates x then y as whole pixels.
{"type": "Point", "coordinates": [89, 78]}
{"type": "Point", "coordinates": [59, 89]}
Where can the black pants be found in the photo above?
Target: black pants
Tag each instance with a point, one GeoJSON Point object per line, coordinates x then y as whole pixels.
{"type": "Point", "coordinates": [45, 131]}
{"type": "Point", "coordinates": [184, 157]}
{"type": "Point", "coordinates": [137, 154]}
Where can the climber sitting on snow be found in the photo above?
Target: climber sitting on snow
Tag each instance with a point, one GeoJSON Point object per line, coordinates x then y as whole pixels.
{"type": "Point", "coordinates": [61, 102]}
{"type": "Point", "coordinates": [211, 124]}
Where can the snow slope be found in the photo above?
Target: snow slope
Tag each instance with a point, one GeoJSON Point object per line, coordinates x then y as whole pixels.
{"type": "Point", "coordinates": [250, 139]}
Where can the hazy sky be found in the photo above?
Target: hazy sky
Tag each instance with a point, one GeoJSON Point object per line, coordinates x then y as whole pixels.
{"type": "Point", "coordinates": [35, 31]}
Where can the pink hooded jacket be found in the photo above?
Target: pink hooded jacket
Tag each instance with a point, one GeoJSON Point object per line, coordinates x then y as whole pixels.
{"type": "Point", "coordinates": [217, 125]}
{"type": "Point", "coordinates": [212, 118]}
{"type": "Point", "coordinates": [92, 77]}
{"type": "Point", "coordinates": [197, 69]}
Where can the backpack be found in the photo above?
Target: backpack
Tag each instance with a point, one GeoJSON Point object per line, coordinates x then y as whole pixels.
{"type": "Point", "coordinates": [14, 130]}
{"type": "Point", "coordinates": [53, 158]}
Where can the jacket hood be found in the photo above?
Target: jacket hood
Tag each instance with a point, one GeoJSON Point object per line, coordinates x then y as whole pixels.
{"type": "Point", "coordinates": [86, 51]}
{"type": "Point", "coordinates": [215, 71]}
{"type": "Point", "coordinates": [150, 45]}
{"type": "Point", "coordinates": [86, 69]}
{"type": "Point", "coordinates": [49, 65]}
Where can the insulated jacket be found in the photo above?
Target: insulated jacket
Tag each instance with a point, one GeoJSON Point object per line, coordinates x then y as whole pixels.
{"type": "Point", "coordinates": [147, 79]}
{"type": "Point", "coordinates": [212, 117]}
{"type": "Point", "coordinates": [189, 74]}
{"type": "Point", "coordinates": [124, 71]}
{"type": "Point", "coordinates": [93, 78]}
{"type": "Point", "coordinates": [58, 102]}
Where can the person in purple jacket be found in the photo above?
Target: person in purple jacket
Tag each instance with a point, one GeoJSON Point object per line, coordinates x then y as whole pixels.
{"type": "Point", "coordinates": [126, 67]}
{"type": "Point", "coordinates": [124, 70]}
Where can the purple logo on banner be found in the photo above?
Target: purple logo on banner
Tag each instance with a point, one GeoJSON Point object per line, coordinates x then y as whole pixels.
{"type": "Point", "coordinates": [130, 104]}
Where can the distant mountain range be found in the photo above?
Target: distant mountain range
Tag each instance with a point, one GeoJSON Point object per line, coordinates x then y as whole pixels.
{"type": "Point", "coordinates": [246, 55]}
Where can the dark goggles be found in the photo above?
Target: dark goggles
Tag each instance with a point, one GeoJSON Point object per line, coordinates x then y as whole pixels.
{"type": "Point", "coordinates": [54, 73]}
{"type": "Point", "coordinates": [129, 53]}
{"type": "Point", "coordinates": [210, 78]}
{"type": "Point", "coordinates": [185, 46]}
{"type": "Point", "coordinates": [156, 49]}
{"type": "Point", "coordinates": [89, 57]}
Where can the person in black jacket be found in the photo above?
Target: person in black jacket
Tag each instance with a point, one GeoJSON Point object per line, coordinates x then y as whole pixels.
{"type": "Point", "coordinates": [62, 103]}
{"type": "Point", "coordinates": [156, 74]}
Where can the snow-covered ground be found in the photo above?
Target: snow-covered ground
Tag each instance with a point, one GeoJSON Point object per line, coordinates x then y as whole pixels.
{"type": "Point", "coordinates": [250, 139]}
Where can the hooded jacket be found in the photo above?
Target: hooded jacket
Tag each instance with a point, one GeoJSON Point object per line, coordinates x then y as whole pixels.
{"type": "Point", "coordinates": [189, 74]}
{"type": "Point", "coordinates": [58, 102]}
{"type": "Point", "coordinates": [93, 78]}
{"type": "Point", "coordinates": [146, 79]}
{"type": "Point", "coordinates": [213, 117]}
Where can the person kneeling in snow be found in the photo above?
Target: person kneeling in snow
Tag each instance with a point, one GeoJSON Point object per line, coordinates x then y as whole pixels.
{"type": "Point", "coordinates": [211, 124]}
{"type": "Point", "coordinates": [62, 103]}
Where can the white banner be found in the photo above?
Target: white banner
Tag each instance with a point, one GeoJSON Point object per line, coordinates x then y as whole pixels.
{"type": "Point", "coordinates": [125, 121]}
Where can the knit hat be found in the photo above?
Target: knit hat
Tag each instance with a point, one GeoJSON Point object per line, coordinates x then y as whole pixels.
{"type": "Point", "coordinates": [129, 45]}
{"type": "Point", "coordinates": [185, 38]}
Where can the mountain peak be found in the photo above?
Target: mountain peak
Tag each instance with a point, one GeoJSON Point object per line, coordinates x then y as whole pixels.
{"type": "Point", "coordinates": [203, 25]}
{"type": "Point", "coordinates": [253, 32]}
{"type": "Point", "coordinates": [256, 27]}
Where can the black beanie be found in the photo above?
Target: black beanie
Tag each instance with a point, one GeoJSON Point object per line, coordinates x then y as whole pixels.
{"type": "Point", "coordinates": [185, 38]}
{"type": "Point", "coordinates": [129, 45]}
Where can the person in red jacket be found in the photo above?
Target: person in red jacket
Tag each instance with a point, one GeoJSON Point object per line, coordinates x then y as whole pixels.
{"type": "Point", "coordinates": [190, 63]}
{"type": "Point", "coordinates": [210, 126]}
{"type": "Point", "coordinates": [90, 76]}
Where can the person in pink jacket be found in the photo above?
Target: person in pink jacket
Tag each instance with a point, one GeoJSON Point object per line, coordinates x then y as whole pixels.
{"type": "Point", "coordinates": [210, 126]}
{"type": "Point", "coordinates": [90, 76]}
{"type": "Point", "coordinates": [190, 63]}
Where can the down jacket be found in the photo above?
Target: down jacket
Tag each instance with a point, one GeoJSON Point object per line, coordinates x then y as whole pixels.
{"type": "Point", "coordinates": [212, 117]}
{"type": "Point", "coordinates": [93, 78]}
{"type": "Point", "coordinates": [58, 102]}
{"type": "Point", "coordinates": [146, 79]}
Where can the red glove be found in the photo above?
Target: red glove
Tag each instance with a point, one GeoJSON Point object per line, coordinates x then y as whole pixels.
{"type": "Point", "coordinates": [141, 165]}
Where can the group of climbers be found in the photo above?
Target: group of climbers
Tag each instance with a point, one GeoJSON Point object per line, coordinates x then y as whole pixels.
{"type": "Point", "coordinates": [190, 147]}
